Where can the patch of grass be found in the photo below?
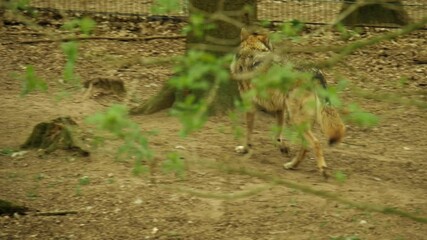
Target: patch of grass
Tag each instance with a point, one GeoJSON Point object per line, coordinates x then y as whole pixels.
{"type": "Point", "coordinates": [173, 235]}
{"type": "Point", "coordinates": [32, 194]}
{"type": "Point", "coordinates": [6, 152]}
{"type": "Point", "coordinates": [293, 202]}
{"type": "Point", "coordinates": [13, 175]}
{"type": "Point", "coordinates": [39, 177]}
{"type": "Point", "coordinates": [340, 176]}
{"type": "Point", "coordinates": [78, 191]}
{"type": "Point", "coordinates": [111, 180]}
{"type": "Point", "coordinates": [323, 224]}
{"type": "Point", "coordinates": [85, 180]}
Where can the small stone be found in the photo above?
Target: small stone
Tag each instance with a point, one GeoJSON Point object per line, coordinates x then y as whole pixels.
{"type": "Point", "coordinates": [138, 201]}
{"type": "Point", "coordinates": [363, 222]}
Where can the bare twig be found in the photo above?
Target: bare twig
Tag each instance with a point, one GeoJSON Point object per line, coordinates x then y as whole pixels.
{"type": "Point", "coordinates": [306, 189]}
{"type": "Point", "coordinates": [55, 213]}
{"type": "Point", "coordinates": [350, 48]}
{"type": "Point", "coordinates": [81, 38]}
{"type": "Point", "coordinates": [225, 196]}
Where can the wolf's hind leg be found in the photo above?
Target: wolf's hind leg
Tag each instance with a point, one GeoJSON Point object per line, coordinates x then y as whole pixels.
{"type": "Point", "coordinates": [250, 119]}
{"type": "Point", "coordinates": [318, 151]}
{"type": "Point", "coordinates": [282, 121]}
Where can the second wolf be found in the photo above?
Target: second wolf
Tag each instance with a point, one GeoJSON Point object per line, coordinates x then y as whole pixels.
{"type": "Point", "coordinates": [299, 105]}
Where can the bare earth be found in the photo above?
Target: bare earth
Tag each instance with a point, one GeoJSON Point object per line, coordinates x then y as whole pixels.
{"type": "Point", "coordinates": [385, 165]}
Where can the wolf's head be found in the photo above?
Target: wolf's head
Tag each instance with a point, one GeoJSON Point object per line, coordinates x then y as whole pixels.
{"type": "Point", "coordinates": [254, 49]}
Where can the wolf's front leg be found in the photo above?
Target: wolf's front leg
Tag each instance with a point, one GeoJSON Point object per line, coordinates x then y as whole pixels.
{"type": "Point", "coordinates": [250, 119]}
{"type": "Point", "coordinates": [282, 121]}
{"type": "Point", "coordinates": [297, 159]}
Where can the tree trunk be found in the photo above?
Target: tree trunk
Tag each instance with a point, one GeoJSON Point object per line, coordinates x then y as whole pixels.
{"type": "Point", "coordinates": [379, 13]}
{"type": "Point", "coordinates": [9, 208]}
{"type": "Point", "coordinates": [219, 41]}
{"type": "Point", "coordinates": [222, 40]}
{"type": "Point", "coordinates": [2, 10]}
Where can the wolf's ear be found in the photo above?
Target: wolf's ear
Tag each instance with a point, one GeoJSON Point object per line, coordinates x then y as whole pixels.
{"type": "Point", "coordinates": [244, 33]}
{"type": "Point", "coordinates": [266, 41]}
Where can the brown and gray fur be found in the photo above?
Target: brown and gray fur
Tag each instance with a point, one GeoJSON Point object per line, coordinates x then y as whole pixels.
{"type": "Point", "coordinates": [298, 105]}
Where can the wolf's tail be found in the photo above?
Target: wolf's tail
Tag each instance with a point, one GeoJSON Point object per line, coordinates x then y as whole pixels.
{"type": "Point", "coordinates": [331, 124]}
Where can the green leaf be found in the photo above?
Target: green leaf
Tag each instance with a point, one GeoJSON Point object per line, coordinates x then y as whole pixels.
{"type": "Point", "coordinates": [360, 117]}
{"type": "Point", "coordinates": [114, 119]}
{"type": "Point", "coordinates": [87, 25]}
{"type": "Point", "coordinates": [165, 6]}
{"type": "Point", "coordinates": [340, 176]}
{"type": "Point", "coordinates": [175, 164]}
{"type": "Point", "coordinates": [70, 25]}
{"type": "Point", "coordinates": [192, 114]}
{"type": "Point", "coordinates": [292, 29]}
{"type": "Point", "coordinates": [16, 4]}
{"type": "Point", "coordinates": [7, 152]}
{"type": "Point", "coordinates": [84, 181]}
{"type": "Point", "coordinates": [139, 169]}
{"type": "Point", "coordinates": [32, 82]}
{"type": "Point", "coordinates": [265, 23]}
{"type": "Point", "coordinates": [198, 25]}
{"type": "Point", "coordinates": [70, 50]}
{"type": "Point", "coordinates": [346, 34]}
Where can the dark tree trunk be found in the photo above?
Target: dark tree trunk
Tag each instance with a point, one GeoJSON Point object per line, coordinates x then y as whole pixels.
{"type": "Point", "coordinates": [2, 10]}
{"type": "Point", "coordinates": [379, 13]}
{"type": "Point", "coordinates": [222, 40]}
{"type": "Point", "coordinates": [9, 208]}
{"type": "Point", "coordinates": [219, 41]}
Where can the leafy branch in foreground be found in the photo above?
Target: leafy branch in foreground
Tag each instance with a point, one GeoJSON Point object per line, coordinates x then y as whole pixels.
{"type": "Point", "coordinates": [193, 71]}
{"type": "Point", "coordinates": [31, 81]}
{"type": "Point", "coordinates": [115, 120]}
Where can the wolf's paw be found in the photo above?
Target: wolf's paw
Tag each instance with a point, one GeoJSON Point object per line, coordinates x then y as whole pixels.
{"type": "Point", "coordinates": [283, 146]}
{"type": "Point", "coordinates": [241, 149]}
{"type": "Point", "coordinates": [324, 173]}
{"type": "Point", "coordinates": [284, 150]}
{"type": "Point", "coordinates": [288, 165]}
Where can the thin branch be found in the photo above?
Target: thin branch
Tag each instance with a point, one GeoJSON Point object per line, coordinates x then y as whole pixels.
{"type": "Point", "coordinates": [347, 50]}
{"type": "Point", "coordinates": [387, 97]}
{"type": "Point", "coordinates": [222, 17]}
{"type": "Point", "coordinates": [32, 33]}
{"type": "Point", "coordinates": [55, 213]}
{"type": "Point", "coordinates": [211, 47]}
{"type": "Point", "coordinates": [225, 196]}
{"type": "Point", "coordinates": [81, 38]}
{"type": "Point", "coordinates": [324, 194]}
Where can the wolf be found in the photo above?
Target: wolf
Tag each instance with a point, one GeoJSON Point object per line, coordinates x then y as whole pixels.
{"type": "Point", "coordinates": [298, 105]}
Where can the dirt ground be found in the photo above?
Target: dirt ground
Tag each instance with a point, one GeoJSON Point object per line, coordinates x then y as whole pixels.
{"type": "Point", "coordinates": [385, 165]}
